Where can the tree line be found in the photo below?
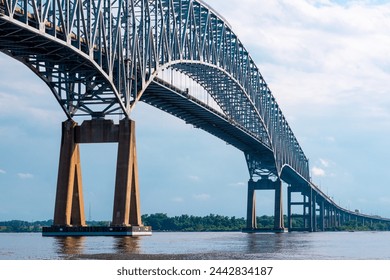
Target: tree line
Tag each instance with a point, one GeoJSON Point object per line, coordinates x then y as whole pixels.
{"type": "Point", "coordinates": [161, 222]}
{"type": "Point", "coordinates": [211, 222]}
{"type": "Point", "coordinates": [158, 222]}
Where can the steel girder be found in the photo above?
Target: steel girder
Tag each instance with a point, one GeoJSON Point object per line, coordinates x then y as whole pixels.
{"type": "Point", "coordinates": [99, 56]}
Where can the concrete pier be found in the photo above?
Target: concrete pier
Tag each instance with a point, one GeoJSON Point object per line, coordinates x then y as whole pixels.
{"type": "Point", "coordinates": [126, 201]}
{"type": "Point", "coordinates": [69, 214]}
{"type": "Point", "coordinates": [264, 184]}
{"type": "Point", "coordinates": [69, 204]}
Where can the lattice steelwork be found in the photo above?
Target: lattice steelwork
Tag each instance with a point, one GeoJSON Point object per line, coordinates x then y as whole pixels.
{"type": "Point", "coordinates": [100, 57]}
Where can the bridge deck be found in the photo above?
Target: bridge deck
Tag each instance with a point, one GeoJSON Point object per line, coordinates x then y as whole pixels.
{"type": "Point", "coordinates": [193, 111]}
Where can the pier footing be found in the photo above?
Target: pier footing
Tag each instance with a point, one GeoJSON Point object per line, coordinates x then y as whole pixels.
{"type": "Point", "coordinates": [264, 230]}
{"type": "Point", "coordinates": [97, 231]}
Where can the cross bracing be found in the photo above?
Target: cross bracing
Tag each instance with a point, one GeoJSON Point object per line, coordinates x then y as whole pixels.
{"type": "Point", "coordinates": [100, 58]}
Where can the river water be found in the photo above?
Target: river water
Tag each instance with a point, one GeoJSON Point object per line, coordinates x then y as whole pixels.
{"type": "Point", "coordinates": [204, 245]}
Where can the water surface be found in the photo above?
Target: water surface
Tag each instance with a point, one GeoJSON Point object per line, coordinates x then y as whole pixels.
{"type": "Point", "coordinates": [204, 245]}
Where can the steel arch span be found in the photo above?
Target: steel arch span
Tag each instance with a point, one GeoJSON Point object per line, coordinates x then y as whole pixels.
{"type": "Point", "coordinates": [101, 57]}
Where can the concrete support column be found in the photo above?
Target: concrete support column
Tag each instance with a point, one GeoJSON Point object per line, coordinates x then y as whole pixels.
{"type": "Point", "coordinates": [314, 213]}
{"type": "Point", "coordinates": [251, 207]}
{"type": "Point", "coordinates": [69, 204]}
{"type": "Point", "coordinates": [304, 214]}
{"type": "Point", "coordinates": [333, 217]}
{"type": "Point", "coordinates": [311, 211]}
{"type": "Point", "coordinates": [69, 207]}
{"type": "Point", "coordinates": [322, 215]}
{"type": "Point", "coordinates": [126, 210]}
{"type": "Point", "coordinates": [330, 215]}
{"type": "Point", "coordinates": [278, 223]}
{"type": "Point", "coordinates": [338, 218]}
{"type": "Point", "coordinates": [289, 218]}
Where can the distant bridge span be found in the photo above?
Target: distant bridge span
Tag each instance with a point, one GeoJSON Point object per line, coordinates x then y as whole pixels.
{"type": "Point", "coordinates": [100, 58]}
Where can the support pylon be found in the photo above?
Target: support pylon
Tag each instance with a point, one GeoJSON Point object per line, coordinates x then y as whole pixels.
{"type": "Point", "coordinates": [251, 207]}
{"type": "Point", "coordinates": [264, 184]}
{"type": "Point", "coordinates": [278, 221]}
{"type": "Point", "coordinates": [126, 200]}
{"type": "Point", "coordinates": [69, 217]}
{"type": "Point", "coordinates": [69, 205]}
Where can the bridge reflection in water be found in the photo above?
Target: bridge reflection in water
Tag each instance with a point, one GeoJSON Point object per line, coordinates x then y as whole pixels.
{"type": "Point", "coordinates": [100, 58]}
{"type": "Point", "coordinates": [78, 247]}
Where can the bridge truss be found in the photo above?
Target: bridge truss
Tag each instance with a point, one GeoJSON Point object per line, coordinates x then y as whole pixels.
{"type": "Point", "coordinates": [101, 57]}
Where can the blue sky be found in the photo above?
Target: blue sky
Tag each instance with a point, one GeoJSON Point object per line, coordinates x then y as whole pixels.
{"type": "Point", "coordinates": [328, 65]}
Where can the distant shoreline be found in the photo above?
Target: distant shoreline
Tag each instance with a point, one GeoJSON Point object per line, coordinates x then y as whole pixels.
{"type": "Point", "coordinates": [161, 222]}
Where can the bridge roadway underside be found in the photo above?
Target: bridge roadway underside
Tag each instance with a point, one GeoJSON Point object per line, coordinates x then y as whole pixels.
{"type": "Point", "coordinates": [313, 212]}
{"type": "Point", "coordinates": [52, 56]}
{"type": "Point", "coordinates": [180, 104]}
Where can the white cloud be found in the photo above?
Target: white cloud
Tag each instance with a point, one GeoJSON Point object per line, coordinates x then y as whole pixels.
{"type": "Point", "coordinates": [324, 162]}
{"type": "Point", "coordinates": [317, 171]}
{"type": "Point", "coordinates": [25, 175]}
{"type": "Point", "coordinates": [317, 53]}
{"type": "Point", "coordinates": [34, 112]}
{"type": "Point", "coordinates": [384, 200]}
{"type": "Point", "coordinates": [194, 178]}
{"type": "Point", "coordinates": [35, 103]}
{"type": "Point", "coordinates": [177, 199]}
{"type": "Point", "coordinates": [2, 171]}
{"type": "Point", "coordinates": [202, 196]}
{"type": "Point", "coordinates": [330, 139]}
{"type": "Point", "coordinates": [238, 184]}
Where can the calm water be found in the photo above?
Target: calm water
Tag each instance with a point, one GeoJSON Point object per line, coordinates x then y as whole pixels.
{"type": "Point", "coordinates": [215, 245]}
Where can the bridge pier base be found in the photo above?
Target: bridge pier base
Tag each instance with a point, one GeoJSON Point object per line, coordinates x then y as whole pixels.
{"type": "Point", "coordinates": [251, 222]}
{"type": "Point", "coordinates": [307, 220]}
{"type": "Point", "coordinates": [69, 216]}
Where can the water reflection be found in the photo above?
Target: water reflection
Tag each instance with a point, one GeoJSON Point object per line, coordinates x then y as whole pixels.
{"type": "Point", "coordinates": [70, 245]}
{"type": "Point", "coordinates": [80, 245]}
{"type": "Point", "coordinates": [127, 244]}
{"type": "Point", "coordinates": [262, 243]}
{"type": "Point", "coordinates": [208, 245]}
{"type": "Point", "coordinates": [279, 245]}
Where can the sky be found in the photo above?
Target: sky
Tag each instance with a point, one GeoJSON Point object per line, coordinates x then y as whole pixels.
{"type": "Point", "coordinates": [328, 66]}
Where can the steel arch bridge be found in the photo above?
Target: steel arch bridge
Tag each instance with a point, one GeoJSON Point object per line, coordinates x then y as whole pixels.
{"type": "Point", "coordinates": [101, 57]}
